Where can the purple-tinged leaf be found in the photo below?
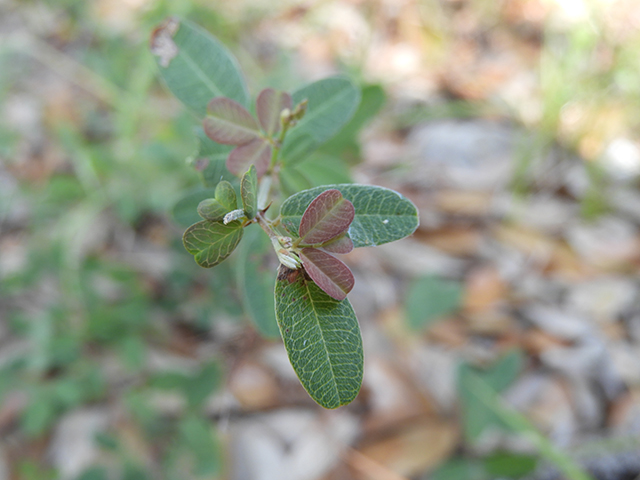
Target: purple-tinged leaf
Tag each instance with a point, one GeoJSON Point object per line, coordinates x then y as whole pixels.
{"type": "Point", "coordinates": [257, 152]}
{"type": "Point", "coordinates": [326, 217]}
{"type": "Point", "coordinates": [269, 104]}
{"type": "Point", "coordinates": [341, 244]}
{"type": "Point", "coordinates": [229, 123]}
{"type": "Point", "coordinates": [329, 273]}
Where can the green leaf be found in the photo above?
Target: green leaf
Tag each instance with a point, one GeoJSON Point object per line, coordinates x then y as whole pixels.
{"type": "Point", "coordinates": [509, 465]}
{"type": "Point", "coordinates": [476, 415]}
{"type": "Point", "coordinates": [429, 299]}
{"type": "Point", "coordinates": [326, 217]}
{"type": "Point", "coordinates": [256, 152]}
{"type": "Point", "coordinates": [212, 242]}
{"type": "Point", "coordinates": [329, 273]}
{"type": "Point", "coordinates": [249, 192]}
{"type": "Point", "coordinates": [381, 215]}
{"type": "Point", "coordinates": [257, 266]}
{"type": "Point", "coordinates": [197, 436]}
{"type": "Point", "coordinates": [214, 209]}
{"type": "Point", "coordinates": [229, 123]}
{"type": "Point", "coordinates": [322, 338]}
{"type": "Point", "coordinates": [185, 210]}
{"type": "Point", "coordinates": [460, 469]}
{"type": "Point", "coordinates": [196, 66]}
{"type": "Point", "coordinates": [269, 104]}
{"type": "Point", "coordinates": [210, 160]}
{"type": "Point", "coordinates": [373, 99]}
{"type": "Point", "coordinates": [297, 150]}
{"type": "Point", "coordinates": [332, 102]}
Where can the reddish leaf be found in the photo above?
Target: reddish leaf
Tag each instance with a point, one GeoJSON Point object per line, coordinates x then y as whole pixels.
{"type": "Point", "coordinates": [329, 273]}
{"type": "Point", "coordinates": [341, 244]}
{"type": "Point", "coordinates": [269, 105]}
{"type": "Point", "coordinates": [326, 217]}
{"type": "Point", "coordinates": [257, 152]}
{"type": "Point", "coordinates": [229, 123]}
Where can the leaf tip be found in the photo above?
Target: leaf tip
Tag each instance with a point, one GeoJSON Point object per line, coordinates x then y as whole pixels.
{"type": "Point", "coordinates": [162, 44]}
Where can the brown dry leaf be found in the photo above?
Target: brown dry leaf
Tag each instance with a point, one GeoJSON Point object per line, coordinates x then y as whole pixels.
{"type": "Point", "coordinates": [530, 242]}
{"type": "Point", "coordinates": [415, 448]}
{"type": "Point", "coordinates": [254, 387]}
{"type": "Point", "coordinates": [536, 341]}
{"type": "Point", "coordinates": [472, 204]}
{"type": "Point", "coordinates": [485, 289]}
{"type": "Point", "coordinates": [456, 241]}
{"type": "Point", "coordinates": [449, 332]}
{"type": "Point", "coordinates": [489, 322]}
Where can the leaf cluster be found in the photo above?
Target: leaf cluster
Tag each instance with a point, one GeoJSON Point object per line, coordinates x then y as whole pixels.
{"type": "Point", "coordinates": [255, 160]}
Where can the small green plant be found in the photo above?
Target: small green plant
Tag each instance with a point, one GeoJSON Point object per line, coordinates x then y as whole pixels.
{"type": "Point", "coordinates": [254, 163]}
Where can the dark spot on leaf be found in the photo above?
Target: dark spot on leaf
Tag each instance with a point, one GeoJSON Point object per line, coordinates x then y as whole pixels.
{"type": "Point", "coordinates": [304, 298]}
{"type": "Point", "coordinates": [287, 330]}
{"type": "Point", "coordinates": [162, 44]}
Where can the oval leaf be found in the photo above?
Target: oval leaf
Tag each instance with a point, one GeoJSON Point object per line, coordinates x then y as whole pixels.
{"type": "Point", "coordinates": [269, 104]}
{"type": "Point", "coordinates": [256, 152]}
{"type": "Point", "coordinates": [249, 192]}
{"type": "Point", "coordinates": [229, 123]}
{"type": "Point", "coordinates": [322, 338]}
{"type": "Point", "coordinates": [381, 215]}
{"type": "Point", "coordinates": [298, 149]}
{"type": "Point", "coordinates": [326, 217]}
{"type": "Point", "coordinates": [196, 66]}
{"type": "Point", "coordinates": [256, 275]}
{"type": "Point", "coordinates": [332, 102]}
{"type": "Point", "coordinates": [329, 273]}
{"type": "Point", "coordinates": [211, 242]}
{"type": "Point", "coordinates": [210, 209]}
{"type": "Point", "coordinates": [340, 244]}
{"type": "Point", "coordinates": [226, 195]}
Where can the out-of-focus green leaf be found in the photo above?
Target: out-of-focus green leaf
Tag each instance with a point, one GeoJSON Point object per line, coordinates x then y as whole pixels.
{"type": "Point", "coordinates": [185, 211]}
{"type": "Point", "coordinates": [373, 99]}
{"type": "Point", "coordinates": [322, 338]}
{"type": "Point", "coordinates": [197, 437]}
{"type": "Point", "coordinates": [332, 102]}
{"type": "Point", "coordinates": [509, 465]}
{"type": "Point", "coordinates": [196, 66]}
{"type": "Point", "coordinates": [476, 415]}
{"type": "Point", "coordinates": [429, 299]}
{"type": "Point", "coordinates": [257, 267]}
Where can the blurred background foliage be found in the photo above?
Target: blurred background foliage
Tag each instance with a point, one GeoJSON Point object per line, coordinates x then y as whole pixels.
{"type": "Point", "coordinates": [107, 326]}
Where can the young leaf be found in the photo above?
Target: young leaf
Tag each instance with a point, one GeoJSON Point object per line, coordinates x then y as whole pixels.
{"type": "Point", "coordinates": [257, 152]}
{"type": "Point", "coordinates": [269, 104]}
{"type": "Point", "coordinates": [322, 338]}
{"type": "Point", "coordinates": [256, 268]}
{"type": "Point", "coordinates": [226, 195]}
{"type": "Point", "coordinates": [381, 215]}
{"type": "Point", "coordinates": [210, 209]}
{"type": "Point", "coordinates": [229, 123]}
{"type": "Point", "coordinates": [332, 102]}
{"type": "Point", "coordinates": [329, 273]}
{"type": "Point", "coordinates": [340, 244]}
{"type": "Point", "coordinates": [225, 200]}
{"type": "Point", "coordinates": [326, 217]}
{"type": "Point", "coordinates": [249, 192]}
{"type": "Point", "coordinates": [211, 242]}
{"type": "Point", "coordinates": [196, 66]}
{"type": "Point", "coordinates": [210, 160]}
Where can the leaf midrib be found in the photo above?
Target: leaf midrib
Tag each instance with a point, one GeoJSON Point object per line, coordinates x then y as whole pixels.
{"type": "Point", "coordinates": [324, 343]}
